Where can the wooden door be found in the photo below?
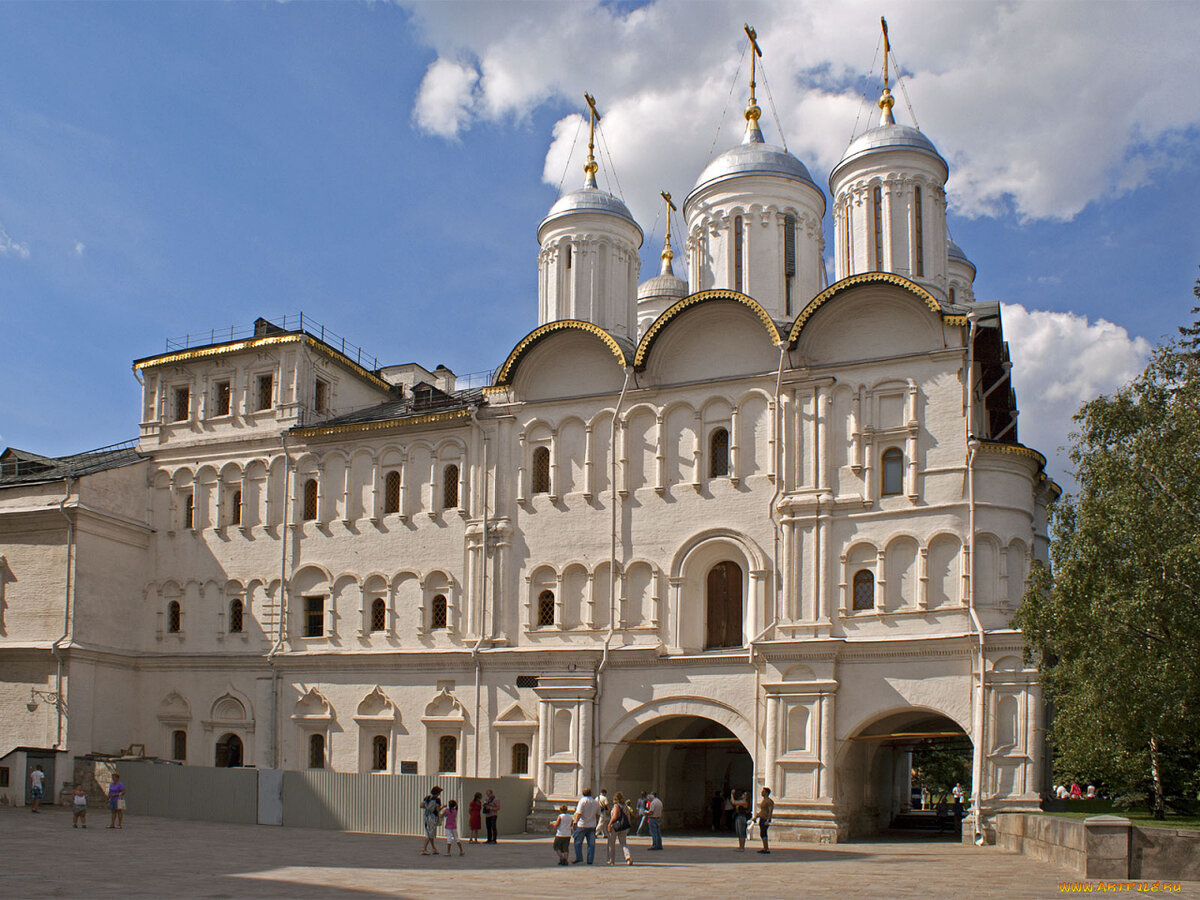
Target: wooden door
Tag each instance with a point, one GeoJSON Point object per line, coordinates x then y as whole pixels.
{"type": "Point", "coordinates": [724, 606]}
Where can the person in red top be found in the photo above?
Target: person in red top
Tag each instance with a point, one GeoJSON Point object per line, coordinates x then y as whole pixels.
{"type": "Point", "coordinates": [1076, 791]}
{"type": "Point", "coordinates": [475, 816]}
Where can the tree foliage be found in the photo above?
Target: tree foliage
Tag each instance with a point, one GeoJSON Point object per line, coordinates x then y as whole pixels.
{"type": "Point", "coordinates": [1116, 621]}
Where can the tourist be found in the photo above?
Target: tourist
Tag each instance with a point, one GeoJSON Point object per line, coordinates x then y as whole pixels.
{"type": "Point", "coordinates": [1076, 791]}
{"type": "Point", "coordinates": [116, 801]}
{"type": "Point", "coordinates": [654, 811]}
{"type": "Point", "coordinates": [562, 826]}
{"type": "Point", "coordinates": [491, 810]}
{"type": "Point", "coordinates": [740, 801]}
{"type": "Point", "coordinates": [1091, 792]}
{"type": "Point", "coordinates": [431, 808]}
{"type": "Point", "coordinates": [451, 817]}
{"type": "Point", "coordinates": [587, 817]}
{"type": "Point", "coordinates": [79, 801]}
{"type": "Point", "coordinates": [766, 807]}
{"type": "Point", "coordinates": [36, 779]}
{"type": "Point", "coordinates": [618, 828]}
{"type": "Point", "coordinates": [641, 812]}
{"type": "Point", "coordinates": [475, 816]}
{"type": "Point", "coordinates": [604, 812]}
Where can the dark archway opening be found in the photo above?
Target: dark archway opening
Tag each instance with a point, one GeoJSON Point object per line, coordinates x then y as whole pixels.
{"type": "Point", "coordinates": [229, 752]}
{"type": "Point", "coordinates": [898, 775]}
{"type": "Point", "coordinates": [685, 760]}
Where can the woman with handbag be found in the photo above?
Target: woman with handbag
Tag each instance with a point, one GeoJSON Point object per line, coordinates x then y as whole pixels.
{"type": "Point", "coordinates": [619, 823]}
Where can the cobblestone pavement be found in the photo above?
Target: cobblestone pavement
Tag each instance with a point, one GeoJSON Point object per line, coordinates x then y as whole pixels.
{"type": "Point", "coordinates": [42, 856]}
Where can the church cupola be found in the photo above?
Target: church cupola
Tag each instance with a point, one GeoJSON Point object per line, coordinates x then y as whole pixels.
{"type": "Point", "coordinates": [589, 263]}
{"type": "Point", "coordinates": [889, 201]}
{"type": "Point", "coordinates": [960, 275]}
{"type": "Point", "coordinates": [754, 221]}
{"type": "Point", "coordinates": [657, 294]}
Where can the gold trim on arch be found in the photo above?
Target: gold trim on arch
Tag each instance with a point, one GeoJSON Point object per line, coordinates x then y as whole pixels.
{"type": "Point", "coordinates": [1014, 450]}
{"type": "Point", "coordinates": [505, 375]}
{"type": "Point", "coordinates": [866, 278]}
{"type": "Point", "coordinates": [643, 350]}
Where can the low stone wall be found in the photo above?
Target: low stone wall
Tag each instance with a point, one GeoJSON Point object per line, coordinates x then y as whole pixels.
{"type": "Point", "coordinates": [1169, 854]}
{"type": "Point", "coordinates": [1102, 847]}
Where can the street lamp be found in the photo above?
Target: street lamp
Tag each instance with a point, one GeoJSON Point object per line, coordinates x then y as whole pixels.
{"type": "Point", "coordinates": [48, 696]}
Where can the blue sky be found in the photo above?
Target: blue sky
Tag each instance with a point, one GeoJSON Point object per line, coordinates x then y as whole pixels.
{"type": "Point", "coordinates": [167, 168]}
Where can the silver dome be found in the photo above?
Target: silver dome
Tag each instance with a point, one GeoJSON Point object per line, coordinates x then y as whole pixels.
{"type": "Point", "coordinates": [753, 158]}
{"type": "Point", "coordinates": [590, 200]}
{"type": "Point", "coordinates": [662, 286]}
{"type": "Point", "coordinates": [954, 253]}
{"type": "Point", "coordinates": [888, 137]}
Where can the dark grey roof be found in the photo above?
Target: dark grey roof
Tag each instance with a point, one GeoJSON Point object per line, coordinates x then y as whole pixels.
{"type": "Point", "coordinates": [23, 467]}
{"type": "Point", "coordinates": [418, 402]}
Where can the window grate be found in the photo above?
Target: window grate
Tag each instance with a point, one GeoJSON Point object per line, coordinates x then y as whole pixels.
{"type": "Point", "coordinates": [527, 681]}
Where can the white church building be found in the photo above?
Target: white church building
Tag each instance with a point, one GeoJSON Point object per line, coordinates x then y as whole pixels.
{"type": "Point", "coordinates": [765, 526]}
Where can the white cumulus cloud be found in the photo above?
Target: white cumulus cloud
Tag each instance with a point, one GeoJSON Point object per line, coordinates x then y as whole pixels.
{"type": "Point", "coordinates": [10, 247]}
{"type": "Point", "coordinates": [1040, 108]}
{"type": "Point", "coordinates": [79, 248]}
{"type": "Point", "coordinates": [1060, 361]}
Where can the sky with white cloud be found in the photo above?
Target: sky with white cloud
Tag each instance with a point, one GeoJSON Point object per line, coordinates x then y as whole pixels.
{"type": "Point", "coordinates": [168, 168]}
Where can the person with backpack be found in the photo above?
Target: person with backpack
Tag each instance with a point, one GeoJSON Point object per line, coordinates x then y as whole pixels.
{"type": "Point", "coordinates": [618, 825]}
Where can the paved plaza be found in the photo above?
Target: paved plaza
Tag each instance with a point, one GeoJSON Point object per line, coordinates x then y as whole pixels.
{"type": "Point", "coordinates": [159, 858]}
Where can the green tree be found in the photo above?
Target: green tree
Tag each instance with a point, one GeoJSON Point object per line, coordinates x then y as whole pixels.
{"type": "Point", "coordinates": [1115, 623]}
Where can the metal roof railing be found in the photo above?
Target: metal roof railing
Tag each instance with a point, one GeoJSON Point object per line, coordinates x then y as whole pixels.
{"type": "Point", "coordinates": [292, 322]}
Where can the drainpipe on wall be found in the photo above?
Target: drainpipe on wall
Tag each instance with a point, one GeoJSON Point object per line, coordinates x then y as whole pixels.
{"type": "Point", "coordinates": [977, 677]}
{"type": "Point", "coordinates": [774, 515]}
{"type": "Point", "coordinates": [283, 597]}
{"type": "Point", "coordinates": [483, 624]}
{"type": "Point", "coordinates": [612, 581]}
{"type": "Point", "coordinates": [68, 604]}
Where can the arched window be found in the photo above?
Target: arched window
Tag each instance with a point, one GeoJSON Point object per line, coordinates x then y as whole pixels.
{"type": "Point", "coordinates": [236, 616]}
{"type": "Point", "coordinates": [952, 294]}
{"type": "Point", "coordinates": [878, 207]}
{"type": "Point", "coordinates": [737, 253]}
{"type": "Point", "coordinates": [789, 260]}
{"type": "Point", "coordinates": [846, 240]}
{"type": "Point", "coordinates": [893, 471]}
{"type": "Point", "coordinates": [179, 745]}
{"type": "Point", "coordinates": [391, 493]}
{"type": "Point", "coordinates": [378, 615]}
{"type": "Point", "coordinates": [235, 508]}
{"type": "Point", "coordinates": [541, 470]}
{"type": "Point", "coordinates": [545, 608]}
{"type": "Point", "coordinates": [448, 754]}
{"type": "Point", "coordinates": [189, 510]}
{"type": "Point", "coordinates": [174, 617]}
{"type": "Point", "coordinates": [718, 454]}
{"type": "Point", "coordinates": [379, 761]}
{"type": "Point", "coordinates": [450, 487]}
{"type": "Point", "coordinates": [310, 500]}
{"type": "Point", "coordinates": [724, 606]}
{"type": "Point", "coordinates": [316, 751]}
{"type": "Point", "coordinates": [520, 759]}
{"type": "Point", "coordinates": [919, 235]}
{"type": "Point", "coordinates": [864, 589]}
{"type": "Point", "coordinates": [438, 612]}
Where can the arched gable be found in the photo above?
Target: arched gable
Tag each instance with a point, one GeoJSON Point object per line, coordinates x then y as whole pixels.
{"type": "Point", "coordinates": [621, 349]}
{"type": "Point", "coordinates": [839, 288]}
{"type": "Point", "coordinates": [655, 331]}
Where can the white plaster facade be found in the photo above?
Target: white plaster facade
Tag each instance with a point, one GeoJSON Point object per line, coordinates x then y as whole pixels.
{"type": "Point", "coordinates": [626, 537]}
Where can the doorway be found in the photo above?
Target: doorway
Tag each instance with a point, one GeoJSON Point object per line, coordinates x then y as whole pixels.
{"type": "Point", "coordinates": [685, 760]}
{"type": "Point", "coordinates": [723, 599]}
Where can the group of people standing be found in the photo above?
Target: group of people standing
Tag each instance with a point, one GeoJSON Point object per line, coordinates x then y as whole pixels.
{"type": "Point", "coordinates": [480, 810]}
{"type": "Point", "coordinates": [738, 807]}
{"type": "Point", "coordinates": [601, 817]}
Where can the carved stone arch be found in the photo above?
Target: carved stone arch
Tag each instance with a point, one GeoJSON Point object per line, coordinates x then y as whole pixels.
{"type": "Point", "coordinates": [614, 744]}
{"type": "Point", "coordinates": [754, 554]}
{"type": "Point", "coordinates": [174, 709]}
{"type": "Point", "coordinates": [232, 709]}
{"type": "Point", "coordinates": [231, 472]}
{"type": "Point", "coordinates": [313, 706]}
{"type": "Point", "coordinates": [445, 707]}
{"type": "Point", "coordinates": [376, 707]}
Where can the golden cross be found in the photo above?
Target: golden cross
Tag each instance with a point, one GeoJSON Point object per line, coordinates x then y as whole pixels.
{"type": "Point", "coordinates": [593, 118]}
{"type": "Point", "coordinates": [756, 55]}
{"type": "Point", "coordinates": [667, 254]}
{"type": "Point", "coordinates": [887, 49]}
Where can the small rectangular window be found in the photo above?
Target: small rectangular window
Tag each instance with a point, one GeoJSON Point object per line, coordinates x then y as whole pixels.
{"type": "Point", "coordinates": [266, 391]}
{"type": "Point", "coordinates": [527, 681]}
{"type": "Point", "coordinates": [321, 399]}
{"type": "Point", "coordinates": [181, 404]}
{"type": "Point", "coordinates": [408, 767]}
{"type": "Point", "coordinates": [919, 229]}
{"type": "Point", "coordinates": [3, 776]}
{"type": "Point", "coordinates": [221, 397]}
{"type": "Point", "coordinates": [314, 616]}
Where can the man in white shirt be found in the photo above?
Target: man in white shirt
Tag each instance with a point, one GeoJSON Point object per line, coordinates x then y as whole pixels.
{"type": "Point", "coordinates": [654, 811]}
{"type": "Point", "coordinates": [587, 817]}
{"type": "Point", "coordinates": [36, 779]}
